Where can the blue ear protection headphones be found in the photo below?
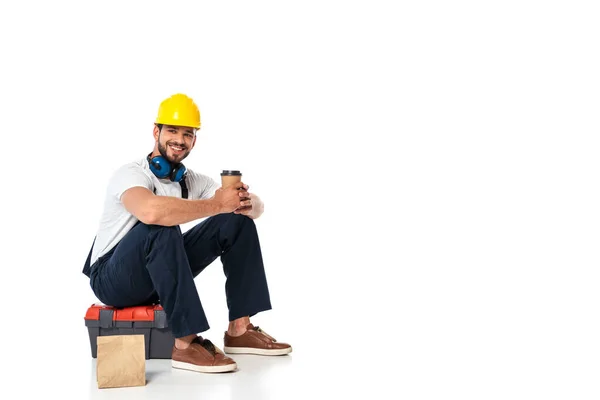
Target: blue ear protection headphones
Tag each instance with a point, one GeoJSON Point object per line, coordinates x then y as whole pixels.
{"type": "Point", "coordinates": [162, 168]}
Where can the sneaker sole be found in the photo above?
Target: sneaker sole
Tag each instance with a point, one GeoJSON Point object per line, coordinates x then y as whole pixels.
{"type": "Point", "coordinates": [203, 368]}
{"type": "Point", "coordinates": [261, 352]}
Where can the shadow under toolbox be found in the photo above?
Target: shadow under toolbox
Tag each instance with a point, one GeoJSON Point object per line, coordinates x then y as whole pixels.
{"type": "Point", "coordinates": [149, 320]}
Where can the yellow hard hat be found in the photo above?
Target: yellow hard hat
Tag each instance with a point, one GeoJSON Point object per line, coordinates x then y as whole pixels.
{"type": "Point", "coordinates": [179, 110]}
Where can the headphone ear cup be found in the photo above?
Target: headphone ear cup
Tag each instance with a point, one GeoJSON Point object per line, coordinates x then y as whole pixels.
{"type": "Point", "coordinates": [160, 167]}
{"type": "Point", "coordinates": [178, 173]}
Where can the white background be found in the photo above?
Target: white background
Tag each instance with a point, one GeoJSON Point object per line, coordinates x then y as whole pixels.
{"type": "Point", "coordinates": [430, 174]}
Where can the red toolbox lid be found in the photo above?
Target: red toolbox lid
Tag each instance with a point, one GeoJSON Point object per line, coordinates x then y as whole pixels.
{"type": "Point", "coordinates": [138, 313]}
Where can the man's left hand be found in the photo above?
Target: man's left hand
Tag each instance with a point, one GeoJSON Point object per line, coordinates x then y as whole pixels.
{"type": "Point", "coordinates": [252, 206]}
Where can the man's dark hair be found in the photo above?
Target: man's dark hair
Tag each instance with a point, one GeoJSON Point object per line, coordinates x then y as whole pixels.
{"type": "Point", "coordinates": [160, 126]}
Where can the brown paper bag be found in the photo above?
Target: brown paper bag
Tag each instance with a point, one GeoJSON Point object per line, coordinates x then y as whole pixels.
{"type": "Point", "coordinates": [121, 361]}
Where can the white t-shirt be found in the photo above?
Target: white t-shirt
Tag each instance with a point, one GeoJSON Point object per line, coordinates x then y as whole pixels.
{"type": "Point", "coordinates": [116, 221]}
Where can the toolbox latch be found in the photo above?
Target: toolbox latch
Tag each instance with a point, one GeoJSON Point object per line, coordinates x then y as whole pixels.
{"type": "Point", "coordinates": [106, 318]}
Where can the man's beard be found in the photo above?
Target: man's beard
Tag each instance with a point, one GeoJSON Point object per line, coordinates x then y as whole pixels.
{"type": "Point", "coordinates": [163, 152]}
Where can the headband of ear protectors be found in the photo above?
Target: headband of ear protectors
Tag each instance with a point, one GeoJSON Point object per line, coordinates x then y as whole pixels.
{"type": "Point", "coordinates": [162, 168]}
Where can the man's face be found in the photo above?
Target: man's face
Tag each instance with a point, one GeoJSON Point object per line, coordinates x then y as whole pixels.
{"type": "Point", "coordinates": [175, 142]}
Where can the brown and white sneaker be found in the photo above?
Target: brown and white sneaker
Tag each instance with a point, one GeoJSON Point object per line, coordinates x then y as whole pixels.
{"type": "Point", "coordinates": [255, 341]}
{"type": "Point", "coordinates": [202, 356]}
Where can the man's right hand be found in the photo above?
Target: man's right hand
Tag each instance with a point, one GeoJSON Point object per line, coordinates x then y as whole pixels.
{"type": "Point", "coordinates": [228, 199]}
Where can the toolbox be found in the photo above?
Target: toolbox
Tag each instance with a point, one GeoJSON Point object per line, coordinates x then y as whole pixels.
{"type": "Point", "coordinates": [147, 320]}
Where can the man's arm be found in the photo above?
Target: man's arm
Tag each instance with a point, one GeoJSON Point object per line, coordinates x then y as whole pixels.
{"type": "Point", "coordinates": [169, 211]}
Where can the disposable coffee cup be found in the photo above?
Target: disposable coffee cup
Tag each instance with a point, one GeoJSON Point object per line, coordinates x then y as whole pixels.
{"type": "Point", "coordinates": [230, 177]}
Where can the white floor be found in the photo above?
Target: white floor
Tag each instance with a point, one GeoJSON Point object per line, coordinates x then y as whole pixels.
{"type": "Point", "coordinates": [312, 370]}
{"type": "Point", "coordinates": [256, 378]}
{"type": "Point", "coordinates": [294, 376]}
{"type": "Point", "coordinates": [312, 373]}
{"type": "Point", "coordinates": [360, 361]}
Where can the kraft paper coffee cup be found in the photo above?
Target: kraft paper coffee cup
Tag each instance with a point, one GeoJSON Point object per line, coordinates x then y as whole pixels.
{"type": "Point", "coordinates": [230, 177]}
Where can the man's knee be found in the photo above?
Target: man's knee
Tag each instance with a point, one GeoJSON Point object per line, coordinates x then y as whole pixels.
{"type": "Point", "coordinates": [233, 219]}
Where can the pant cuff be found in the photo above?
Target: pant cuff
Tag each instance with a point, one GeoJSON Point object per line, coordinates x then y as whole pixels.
{"type": "Point", "coordinates": [192, 330]}
{"type": "Point", "coordinates": [249, 312]}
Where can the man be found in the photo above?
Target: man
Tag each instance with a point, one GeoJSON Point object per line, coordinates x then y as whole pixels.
{"type": "Point", "coordinates": [140, 255]}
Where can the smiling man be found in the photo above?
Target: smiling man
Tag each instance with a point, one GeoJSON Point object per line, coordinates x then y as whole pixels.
{"type": "Point", "coordinates": [140, 255]}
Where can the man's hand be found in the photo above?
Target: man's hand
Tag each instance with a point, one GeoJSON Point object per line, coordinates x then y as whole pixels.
{"type": "Point", "coordinates": [231, 198]}
{"type": "Point", "coordinates": [252, 206]}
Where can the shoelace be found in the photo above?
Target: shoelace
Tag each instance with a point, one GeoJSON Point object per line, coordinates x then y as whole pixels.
{"type": "Point", "coordinates": [208, 345]}
{"type": "Point", "coordinates": [257, 328]}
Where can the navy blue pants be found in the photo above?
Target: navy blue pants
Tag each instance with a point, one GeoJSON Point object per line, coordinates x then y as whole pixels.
{"type": "Point", "coordinates": [154, 263]}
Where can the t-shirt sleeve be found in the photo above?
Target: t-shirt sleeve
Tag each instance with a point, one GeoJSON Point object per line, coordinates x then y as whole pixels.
{"type": "Point", "coordinates": [128, 176]}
